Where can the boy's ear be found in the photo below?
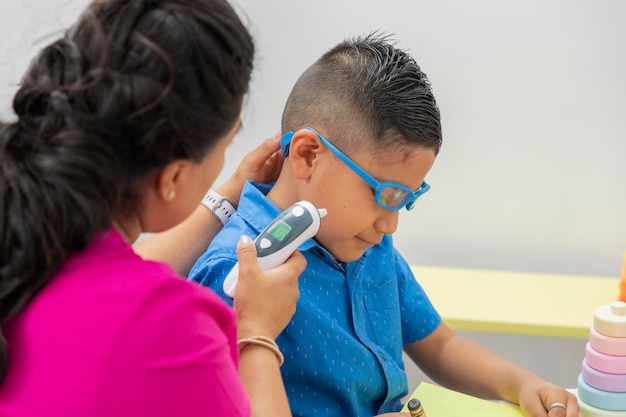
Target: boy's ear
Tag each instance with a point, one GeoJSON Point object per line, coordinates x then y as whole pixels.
{"type": "Point", "coordinates": [303, 152]}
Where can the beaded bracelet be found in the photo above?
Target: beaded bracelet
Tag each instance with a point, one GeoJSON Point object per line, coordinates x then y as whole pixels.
{"type": "Point", "coordinates": [265, 342]}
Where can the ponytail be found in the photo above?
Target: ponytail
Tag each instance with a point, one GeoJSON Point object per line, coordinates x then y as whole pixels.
{"type": "Point", "coordinates": [56, 192]}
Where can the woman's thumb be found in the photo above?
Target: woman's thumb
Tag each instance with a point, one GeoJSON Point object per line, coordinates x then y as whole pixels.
{"type": "Point", "coordinates": [246, 252]}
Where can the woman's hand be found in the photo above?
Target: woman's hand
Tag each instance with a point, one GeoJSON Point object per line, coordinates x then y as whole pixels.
{"type": "Point", "coordinates": [263, 164]}
{"type": "Point", "coordinates": [265, 300]}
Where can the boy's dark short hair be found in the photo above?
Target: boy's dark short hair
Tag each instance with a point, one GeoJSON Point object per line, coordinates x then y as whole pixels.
{"type": "Point", "coordinates": [366, 87]}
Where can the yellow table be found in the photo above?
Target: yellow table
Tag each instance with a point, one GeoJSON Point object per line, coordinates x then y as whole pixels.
{"type": "Point", "coordinates": [441, 402]}
{"type": "Point", "coordinates": [516, 302]}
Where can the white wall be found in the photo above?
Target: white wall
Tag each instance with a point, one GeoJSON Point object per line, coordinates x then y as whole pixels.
{"type": "Point", "coordinates": [25, 27]}
{"type": "Point", "coordinates": [532, 174]}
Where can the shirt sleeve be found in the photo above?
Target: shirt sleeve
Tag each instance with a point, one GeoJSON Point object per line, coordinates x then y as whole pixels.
{"type": "Point", "coordinates": [212, 268]}
{"type": "Point", "coordinates": [177, 357]}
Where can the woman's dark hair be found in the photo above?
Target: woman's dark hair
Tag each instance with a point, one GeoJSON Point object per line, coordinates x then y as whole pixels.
{"type": "Point", "coordinates": [132, 86]}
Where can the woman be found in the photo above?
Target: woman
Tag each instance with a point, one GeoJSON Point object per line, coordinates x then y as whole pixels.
{"type": "Point", "coordinates": [121, 128]}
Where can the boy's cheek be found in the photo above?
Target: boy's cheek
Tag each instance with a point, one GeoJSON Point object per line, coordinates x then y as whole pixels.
{"type": "Point", "coordinates": [328, 242]}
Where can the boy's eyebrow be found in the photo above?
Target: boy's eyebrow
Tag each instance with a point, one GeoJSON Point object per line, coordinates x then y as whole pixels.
{"type": "Point", "coordinates": [385, 178]}
{"type": "Point", "coordinates": [330, 145]}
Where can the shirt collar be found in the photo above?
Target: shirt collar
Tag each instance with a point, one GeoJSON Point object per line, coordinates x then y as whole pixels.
{"type": "Point", "coordinates": [258, 211]}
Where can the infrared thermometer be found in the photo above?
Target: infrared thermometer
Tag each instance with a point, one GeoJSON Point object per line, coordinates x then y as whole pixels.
{"type": "Point", "coordinates": [281, 238]}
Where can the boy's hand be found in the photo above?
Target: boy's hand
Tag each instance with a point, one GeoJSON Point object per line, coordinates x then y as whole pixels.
{"type": "Point", "coordinates": [536, 397]}
{"type": "Point", "coordinates": [265, 300]}
{"type": "Point", "coordinates": [262, 164]}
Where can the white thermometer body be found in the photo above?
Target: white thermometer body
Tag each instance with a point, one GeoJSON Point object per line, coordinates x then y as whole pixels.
{"type": "Point", "coordinates": [281, 238]}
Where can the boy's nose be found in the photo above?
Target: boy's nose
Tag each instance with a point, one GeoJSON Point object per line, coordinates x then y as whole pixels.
{"type": "Point", "coordinates": [387, 222]}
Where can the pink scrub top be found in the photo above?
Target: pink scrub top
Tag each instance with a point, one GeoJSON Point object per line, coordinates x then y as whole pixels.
{"type": "Point", "coordinates": [114, 335]}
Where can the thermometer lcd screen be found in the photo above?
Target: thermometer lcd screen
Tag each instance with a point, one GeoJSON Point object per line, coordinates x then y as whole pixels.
{"type": "Point", "coordinates": [280, 231]}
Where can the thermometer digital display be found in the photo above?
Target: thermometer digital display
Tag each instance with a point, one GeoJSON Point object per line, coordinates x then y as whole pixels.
{"type": "Point", "coordinates": [280, 230]}
{"type": "Point", "coordinates": [281, 238]}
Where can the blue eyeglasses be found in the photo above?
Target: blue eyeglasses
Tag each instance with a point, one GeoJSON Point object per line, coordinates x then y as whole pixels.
{"type": "Point", "coordinates": [389, 195]}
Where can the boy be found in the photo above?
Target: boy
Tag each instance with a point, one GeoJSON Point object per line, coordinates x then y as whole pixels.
{"type": "Point", "coordinates": [363, 131]}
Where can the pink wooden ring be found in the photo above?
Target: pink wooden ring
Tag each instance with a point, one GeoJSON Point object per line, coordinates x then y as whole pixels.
{"type": "Point", "coordinates": [608, 345]}
{"type": "Point", "coordinates": [605, 363]}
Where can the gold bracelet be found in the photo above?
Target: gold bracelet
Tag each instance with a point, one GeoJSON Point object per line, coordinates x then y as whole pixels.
{"type": "Point", "coordinates": [265, 342]}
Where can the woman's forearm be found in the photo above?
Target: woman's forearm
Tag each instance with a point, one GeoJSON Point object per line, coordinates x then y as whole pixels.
{"type": "Point", "coordinates": [182, 245]}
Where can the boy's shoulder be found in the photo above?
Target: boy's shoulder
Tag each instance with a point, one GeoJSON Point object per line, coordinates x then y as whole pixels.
{"type": "Point", "coordinates": [222, 251]}
{"type": "Point", "coordinates": [253, 212]}
{"type": "Point", "coordinates": [227, 238]}
{"type": "Point", "coordinates": [221, 254]}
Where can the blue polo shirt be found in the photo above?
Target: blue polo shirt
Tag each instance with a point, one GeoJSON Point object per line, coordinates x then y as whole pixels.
{"type": "Point", "coordinates": [343, 346]}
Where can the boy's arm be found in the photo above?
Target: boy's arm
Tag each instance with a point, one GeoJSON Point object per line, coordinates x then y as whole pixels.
{"type": "Point", "coordinates": [463, 365]}
{"type": "Point", "coordinates": [212, 267]}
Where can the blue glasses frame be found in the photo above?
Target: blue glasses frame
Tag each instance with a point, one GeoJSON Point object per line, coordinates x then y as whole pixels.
{"type": "Point", "coordinates": [407, 197]}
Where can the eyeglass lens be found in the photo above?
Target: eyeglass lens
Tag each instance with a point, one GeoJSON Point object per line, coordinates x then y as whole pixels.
{"type": "Point", "coordinates": [392, 196]}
